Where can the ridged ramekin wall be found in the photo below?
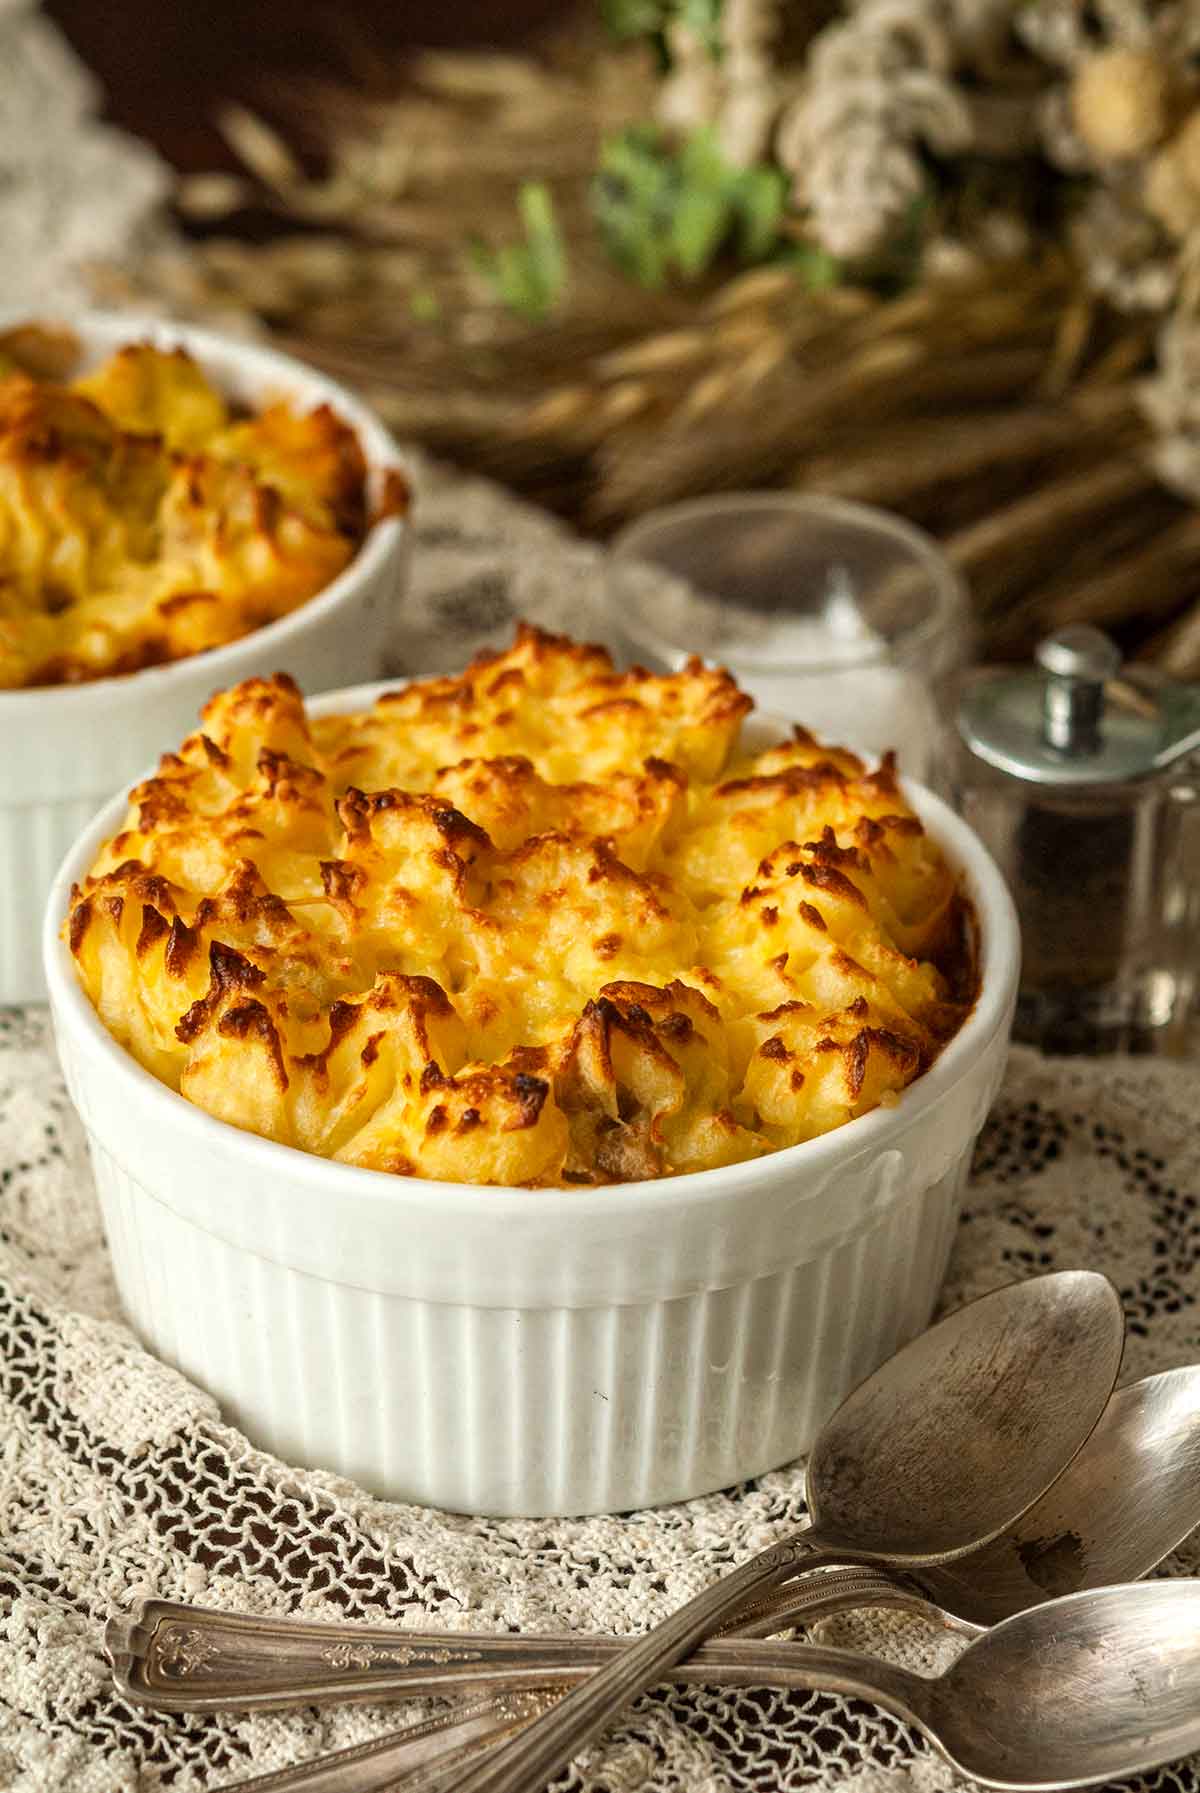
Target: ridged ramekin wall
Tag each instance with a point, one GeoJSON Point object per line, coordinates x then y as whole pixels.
{"type": "Point", "coordinates": [64, 750]}
{"type": "Point", "coordinates": [543, 1351]}
{"type": "Point", "coordinates": [527, 1410]}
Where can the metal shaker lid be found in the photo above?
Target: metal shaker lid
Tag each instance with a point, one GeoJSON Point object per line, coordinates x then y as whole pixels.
{"type": "Point", "coordinates": [1070, 721]}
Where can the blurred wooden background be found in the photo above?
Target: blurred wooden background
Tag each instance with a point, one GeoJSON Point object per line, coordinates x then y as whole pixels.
{"type": "Point", "coordinates": [167, 64]}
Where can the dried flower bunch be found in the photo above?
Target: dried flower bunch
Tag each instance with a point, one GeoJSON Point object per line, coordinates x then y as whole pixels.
{"type": "Point", "coordinates": [972, 230]}
{"type": "Point", "coordinates": [1127, 117]}
{"type": "Point", "coordinates": [1109, 93]}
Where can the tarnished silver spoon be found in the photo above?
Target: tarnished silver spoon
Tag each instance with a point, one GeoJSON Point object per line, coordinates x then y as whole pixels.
{"type": "Point", "coordinates": [938, 1452]}
{"type": "Point", "coordinates": [1081, 1691]}
{"type": "Point", "coordinates": [1130, 1496]}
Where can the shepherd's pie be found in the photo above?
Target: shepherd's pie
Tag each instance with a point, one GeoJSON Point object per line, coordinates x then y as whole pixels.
{"type": "Point", "coordinates": [543, 923]}
{"type": "Point", "coordinates": [143, 519]}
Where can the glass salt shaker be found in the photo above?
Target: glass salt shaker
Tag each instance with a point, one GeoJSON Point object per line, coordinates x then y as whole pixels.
{"type": "Point", "coordinates": [1084, 781]}
{"type": "Point", "coordinates": [837, 615]}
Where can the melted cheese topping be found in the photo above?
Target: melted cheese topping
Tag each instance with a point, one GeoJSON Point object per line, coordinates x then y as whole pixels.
{"type": "Point", "coordinates": [532, 925]}
{"type": "Point", "coordinates": [140, 521]}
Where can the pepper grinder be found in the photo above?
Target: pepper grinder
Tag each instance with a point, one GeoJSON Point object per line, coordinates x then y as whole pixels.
{"type": "Point", "coordinates": [1084, 782]}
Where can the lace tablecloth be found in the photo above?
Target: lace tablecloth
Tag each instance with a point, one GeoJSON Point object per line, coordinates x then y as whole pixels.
{"type": "Point", "coordinates": [117, 1477]}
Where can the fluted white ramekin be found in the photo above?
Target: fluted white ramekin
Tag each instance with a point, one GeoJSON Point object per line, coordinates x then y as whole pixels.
{"type": "Point", "coordinates": [518, 1351]}
{"type": "Point", "coordinates": [64, 749]}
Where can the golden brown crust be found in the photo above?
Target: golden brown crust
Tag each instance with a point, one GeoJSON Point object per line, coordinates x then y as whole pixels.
{"type": "Point", "coordinates": [526, 925]}
{"type": "Point", "coordinates": [395, 498]}
{"type": "Point", "coordinates": [141, 523]}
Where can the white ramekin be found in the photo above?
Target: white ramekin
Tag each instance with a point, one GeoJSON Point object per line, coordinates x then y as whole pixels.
{"type": "Point", "coordinates": [64, 749]}
{"type": "Point", "coordinates": [516, 1351]}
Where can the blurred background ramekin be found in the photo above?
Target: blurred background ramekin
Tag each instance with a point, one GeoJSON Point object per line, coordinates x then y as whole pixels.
{"type": "Point", "coordinates": [533, 1351]}
{"type": "Point", "coordinates": [64, 749]}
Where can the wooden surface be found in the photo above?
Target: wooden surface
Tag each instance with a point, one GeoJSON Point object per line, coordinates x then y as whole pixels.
{"type": "Point", "coordinates": [168, 64]}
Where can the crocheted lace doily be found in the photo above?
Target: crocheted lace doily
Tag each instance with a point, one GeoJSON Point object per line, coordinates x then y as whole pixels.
{"type": "Point", "coordinates": [117, 1477]}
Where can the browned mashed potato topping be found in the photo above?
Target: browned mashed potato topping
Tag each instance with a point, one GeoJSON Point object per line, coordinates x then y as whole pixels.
{"type": "Point", "coordinates": [538, 924]}
{"type": "Point", "coordinates": [141, 520]}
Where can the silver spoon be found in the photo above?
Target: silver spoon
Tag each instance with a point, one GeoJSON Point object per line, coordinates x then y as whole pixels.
{"type": "Point", "coordinates": [1123, 1504]}
{"type": "Point", "coordinates": [1087, 1689]}
{"type": "Point", "coordinates": [1130, 1496]}
{"type": "Point", "coordinates": [1126, 1500]}
{"type": "Point", "coordinates": [941, 1450]}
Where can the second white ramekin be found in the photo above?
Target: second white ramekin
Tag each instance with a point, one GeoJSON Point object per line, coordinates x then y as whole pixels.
{"type": "Point", "coordinates": [64, 749]}
{"type": "Point", "coordinates": [516, 1351]}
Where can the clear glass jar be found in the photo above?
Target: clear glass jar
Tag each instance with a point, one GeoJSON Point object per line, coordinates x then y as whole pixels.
{"type": "Point", "coordinates": [1084, 781]}
{"type": "Point", "coordinates": [836, 615]}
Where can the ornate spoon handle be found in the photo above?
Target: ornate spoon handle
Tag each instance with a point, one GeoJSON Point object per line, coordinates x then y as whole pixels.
{"type": "Point", "coordinates": [526, 1762]}
{"type": "Point", "coordinates": [406, 1758]}
{"type": "Point", "coordinates": [189, 1658]}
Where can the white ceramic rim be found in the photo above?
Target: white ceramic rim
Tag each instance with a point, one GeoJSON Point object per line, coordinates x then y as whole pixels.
{"type": "Point", "coordinates": [999, 954]}
{"type": "Point", "coordinates": [74, 703]}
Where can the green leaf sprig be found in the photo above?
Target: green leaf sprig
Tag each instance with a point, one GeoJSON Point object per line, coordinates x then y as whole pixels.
{"type": "Point", "coordinates": [665, 210]}
{"type": "Point", "coordinates": [529, 277]}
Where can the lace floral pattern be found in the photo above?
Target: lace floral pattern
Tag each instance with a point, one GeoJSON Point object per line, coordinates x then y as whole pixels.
{"type": "Point", "coordinates": [117, 1477]}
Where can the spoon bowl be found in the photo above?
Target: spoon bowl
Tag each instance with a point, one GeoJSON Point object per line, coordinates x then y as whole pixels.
{"type": "Point", "coordinates": [1090, 1688]}
{"type": "Point", "coordinates": [1130, 1496]}
{"type": "Point", "coordinates": [964, 1429]}
{"type": "Point", "coordinates": [1126, 1501]}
